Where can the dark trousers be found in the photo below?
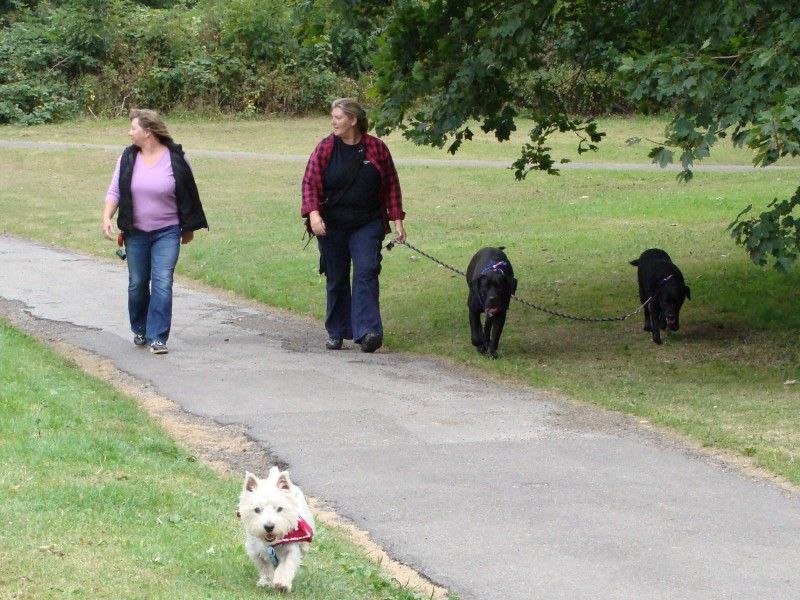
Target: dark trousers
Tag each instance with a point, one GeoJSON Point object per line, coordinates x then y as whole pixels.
{"type": "Point", "coordinates": [353, 312]}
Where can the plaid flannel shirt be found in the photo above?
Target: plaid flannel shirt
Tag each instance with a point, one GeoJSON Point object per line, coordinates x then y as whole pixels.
{"type": "Point", "coordinates": [377, 153]}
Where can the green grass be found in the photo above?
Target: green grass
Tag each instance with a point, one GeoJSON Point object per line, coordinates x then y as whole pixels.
{"type": "Point", "coordinates": [720, 380]}
{"type": "Point", "coordinates": [96, 501]}
{"type": "Point", "coordinates": [297, 136]}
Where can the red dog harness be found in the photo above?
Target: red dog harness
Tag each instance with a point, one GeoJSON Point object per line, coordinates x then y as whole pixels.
{"type": "Point", "coordinates": [303, 533]}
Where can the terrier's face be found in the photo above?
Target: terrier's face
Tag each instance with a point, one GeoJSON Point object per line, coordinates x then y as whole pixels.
{"type": "Point", "coordinates": [267, 507]}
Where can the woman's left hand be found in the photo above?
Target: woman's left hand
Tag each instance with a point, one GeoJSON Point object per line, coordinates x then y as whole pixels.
{"type": "Point", "coordinates": [187, 236]}
{"type": "Point", "coordinates": [400, 231]}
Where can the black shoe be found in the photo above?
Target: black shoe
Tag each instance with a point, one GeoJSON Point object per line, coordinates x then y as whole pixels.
{"type": "Point", "coordinates": [371, 342]}
{"type": "Point", "coordinates": [139, 339]}
{"type": "Point", "coordinates": [334, 343]}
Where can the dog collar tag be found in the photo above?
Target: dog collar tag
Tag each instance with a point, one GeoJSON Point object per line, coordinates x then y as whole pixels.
{"type": "Point", "coordinates": [272, 556]}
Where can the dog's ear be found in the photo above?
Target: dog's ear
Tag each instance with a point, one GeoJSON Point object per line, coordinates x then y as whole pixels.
{"type": "Point", "coordinates": [250, 482]}
{"type": "Point", "coordinates": [688, 292]}
{"type": "Point", "coordinates": [635, 263]}
{"type": "Point", "coordinates": [512, 285]}
{"type": "Point", "coordinates": [473, 287]}
{"type": "Point", "coordinates": [284, 483]}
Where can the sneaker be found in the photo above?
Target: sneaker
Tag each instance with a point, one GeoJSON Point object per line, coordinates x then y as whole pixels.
{"type": "Point", "coordinates": [158, 348]}
{"type": "Point", "coordinates": [334, 343]}
{"type": "Point", "coordinates": [139, 339]}
{"type": "Point", "coordinates": [371, 342]}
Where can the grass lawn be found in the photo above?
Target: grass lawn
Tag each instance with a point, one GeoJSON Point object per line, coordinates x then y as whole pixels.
{"type": "Point", "coordinates": [96, 501]}
{"type": "Point", "coordinates": [720, 380]}
{"type": "Point", "coordinates": [297, 136]}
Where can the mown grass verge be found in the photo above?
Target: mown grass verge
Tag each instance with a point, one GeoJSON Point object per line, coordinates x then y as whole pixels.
{"type": "Point", "coordinates": [96, 501]}
{"type": "Point", "coordinates": [297, 136]}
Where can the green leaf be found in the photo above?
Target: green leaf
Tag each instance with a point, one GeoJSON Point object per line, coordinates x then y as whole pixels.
{"type": "Point", "coordinates": [661, 155]}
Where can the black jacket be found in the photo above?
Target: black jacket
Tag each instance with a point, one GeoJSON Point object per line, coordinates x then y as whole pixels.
{"type": "Point", "coordinates": [190, 210]}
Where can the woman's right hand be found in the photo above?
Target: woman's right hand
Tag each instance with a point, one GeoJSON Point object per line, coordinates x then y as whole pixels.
{"type": "Point", "coordinates": [109, 209]}
{"type": "Point", "coordinates": [108, 228]}
{"type": "Point", "coordinates": [317, 224]}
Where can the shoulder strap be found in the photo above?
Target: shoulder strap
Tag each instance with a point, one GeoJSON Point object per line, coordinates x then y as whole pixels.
{"type": "Point", "coordinates": [351, 177]}
{"type": "Point", "coordinates": [333, 198]}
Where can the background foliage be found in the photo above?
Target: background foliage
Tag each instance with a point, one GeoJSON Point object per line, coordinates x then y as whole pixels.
{"type": "Point", "coordinates": [62, 58]}
{"type": "Point", "coordinates": [721, 68]}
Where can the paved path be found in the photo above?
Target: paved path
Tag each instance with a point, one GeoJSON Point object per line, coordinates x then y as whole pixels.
{"type": "Point", "coordinates": [428, 162]}
{"type": "Point", "coordinates": [494, 491]}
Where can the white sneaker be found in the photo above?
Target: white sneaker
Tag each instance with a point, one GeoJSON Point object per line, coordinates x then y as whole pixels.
{"type": "Point", "coordinates": [158, 348]}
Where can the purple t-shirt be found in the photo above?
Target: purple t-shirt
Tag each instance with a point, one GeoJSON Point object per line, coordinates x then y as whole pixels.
{"type": "Point", "coordinates": [153, 189]}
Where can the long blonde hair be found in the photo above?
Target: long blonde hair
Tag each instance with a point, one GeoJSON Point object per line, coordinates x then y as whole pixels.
{"type": "Point", "coordinates": [352, 108]}
{"type": "Point", "coordinates": [151, 121]}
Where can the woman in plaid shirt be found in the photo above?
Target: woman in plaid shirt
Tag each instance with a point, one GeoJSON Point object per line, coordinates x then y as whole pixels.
{"type": "Point", "coordinates": [350, 194]}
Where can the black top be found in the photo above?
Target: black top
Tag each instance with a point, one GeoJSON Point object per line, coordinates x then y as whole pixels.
{"type": "Point", "coordinates": [360, 204]}
{"type": "Point", "coordinates": [190, 210]}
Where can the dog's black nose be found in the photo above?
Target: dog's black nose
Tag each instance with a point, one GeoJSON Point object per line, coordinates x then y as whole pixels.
{"type": "Point", "coordinates": [268, 527]}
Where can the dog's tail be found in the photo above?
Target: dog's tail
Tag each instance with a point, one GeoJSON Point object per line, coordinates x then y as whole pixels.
{"type": "Point", "coordinates": [635, 263]}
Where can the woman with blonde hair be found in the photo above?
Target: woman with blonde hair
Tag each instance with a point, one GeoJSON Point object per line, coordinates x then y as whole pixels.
{"type": "Point", "coordinates": [351, 193]}
{"type": "Point", "coordinates": [154, 190]}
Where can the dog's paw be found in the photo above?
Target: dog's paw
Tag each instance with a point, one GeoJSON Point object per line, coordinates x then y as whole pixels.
{"type": "Point", "coordinates": [492, 354]}
{"type": "Point", "coordinates": [648, 327]}
{"type": "Point", "coordinates": [481, 348]}
{"type": "Point", "coordinates": [282, 587]}
{"type": "Point", "coordinates": [263, 581]}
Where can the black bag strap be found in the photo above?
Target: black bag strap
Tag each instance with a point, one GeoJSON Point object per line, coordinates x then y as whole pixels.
{"type": "Point", "coordinates": [333, 198]}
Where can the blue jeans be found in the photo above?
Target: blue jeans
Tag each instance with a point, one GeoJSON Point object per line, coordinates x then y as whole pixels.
{"type": "Point", "coordinates": [152, 256]}
{"type": "Point", "coordinates": [353, 312]}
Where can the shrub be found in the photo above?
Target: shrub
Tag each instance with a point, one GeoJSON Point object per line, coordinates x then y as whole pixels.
{"type": "Point", "coordinates": [580, 91]}
{"type": "Point", "coordinates": [102, 57]}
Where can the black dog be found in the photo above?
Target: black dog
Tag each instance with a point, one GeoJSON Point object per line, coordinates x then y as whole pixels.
{"type": "Point", "coordinates": [491, 284]}
{"type": "Point", "coordinates": [660, 279]}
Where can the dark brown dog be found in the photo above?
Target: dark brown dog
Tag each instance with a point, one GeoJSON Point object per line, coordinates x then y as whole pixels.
{"type": "Point", "coordinates": [660, 278]}
{"type": "Point", "coordinates": [491, 284]}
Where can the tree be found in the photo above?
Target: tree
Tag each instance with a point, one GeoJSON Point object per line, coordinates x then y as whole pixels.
{"type": "Point", "coordinates": [721, 67]}
{"type": "Point", "coordinates": [60, 58]}
{"type": "Point", "coordinates": [348, 28]}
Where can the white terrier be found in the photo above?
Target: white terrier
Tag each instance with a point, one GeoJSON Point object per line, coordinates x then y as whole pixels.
{"type": "Point", "coordinates": [278, 527]}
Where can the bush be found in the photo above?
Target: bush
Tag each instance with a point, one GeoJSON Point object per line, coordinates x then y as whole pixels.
{"type": "Point", "coordinates": [102, 57]}
{"type": "Point", "coordinates": [580, 92]}
{"type": "Point", "coordinates": [28, 102]}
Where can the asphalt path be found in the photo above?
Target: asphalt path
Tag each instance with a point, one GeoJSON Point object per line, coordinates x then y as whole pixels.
{"type": "Point", "coordinates": [495, 491]}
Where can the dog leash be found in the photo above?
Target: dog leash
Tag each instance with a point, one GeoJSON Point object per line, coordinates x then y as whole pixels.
{"type": "Point", "coordinates": [549, 311]}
